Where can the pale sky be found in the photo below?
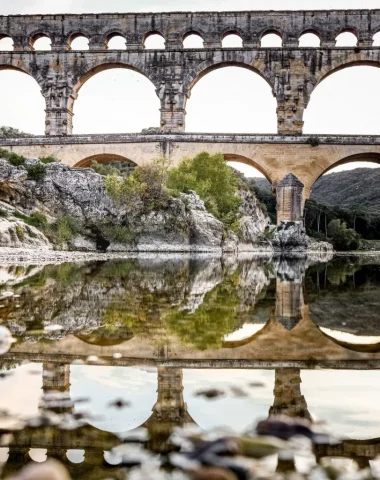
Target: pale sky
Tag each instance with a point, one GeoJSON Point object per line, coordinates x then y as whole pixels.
{"type": "Point", "coordinates": [230, 99]}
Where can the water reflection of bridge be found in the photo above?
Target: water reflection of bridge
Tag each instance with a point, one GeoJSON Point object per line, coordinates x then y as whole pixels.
{"type": "Point", "coordinates": [288, 343]}
{"type": "Point", "coordinates": [289, 339]}
{"type": "Point", "coordinates": [170, 410]}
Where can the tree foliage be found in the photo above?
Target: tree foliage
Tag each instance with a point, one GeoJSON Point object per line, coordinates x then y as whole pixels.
{"type": "Point", "coordinates": [10, 132]}
{"type": "Point", "coordinates": [143, 190]}
{"type": "Point", "coordinates": [213, 180]}
{"type": "Point", "coordinates": [342, 238]}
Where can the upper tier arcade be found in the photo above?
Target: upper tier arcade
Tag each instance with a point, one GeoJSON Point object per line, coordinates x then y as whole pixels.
{"type": "Point", "coordinates": [291, 71]}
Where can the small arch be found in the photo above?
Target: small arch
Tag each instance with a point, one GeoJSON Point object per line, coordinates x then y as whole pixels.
{"type": "Point", "coordinates": [346, 38]}
{"type": "Point", "coordinates": [309, 38]}
{"type": "Point", "coordinates": [376, 40]}
{"type": "Point", "coordinates": [154, 41]}
{"type": "Point", "coordinates": [78, 41]}
{"type": "Point", "coordinates": [232, 40]}
{"type": "Point", "coordinates": [192, 40]}
{"type": "Point", "coordinates": [103, 158]}
{"type": "Point", "coordinates": [271, 39]}
{"type": "Point", "coordinates": [38, 454]}
{"type": "Point", "coordinates": [40, 41]}
{"type": "Point", "coordinates": [6, 43]}
{"type": "Point", "coordinates": [75, 455]}
{"type": "Point", "coordinates": [116, 41]}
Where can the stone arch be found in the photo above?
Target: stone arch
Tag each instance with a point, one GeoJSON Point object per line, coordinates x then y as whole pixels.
{"type": "Point", "coordinates": [4, 36]}
{"type": "Point", "coordinates": [373, 157]}
{"type": "Point", "coordinates": [85, 76]}
{"type": "Point", "coordinates": [101, 158]}
{"type": "Point", "coordinates": [271, 31]}
{"type": "Point", "coordinates": [218, 62]}
{"type": "Point", "coordinates": [376, 39]}
{"type": "Point", "coordinates": [235, 33]}
{"type": "Point", "coordinates": [190, 33]}
{"type": "Point", "coordinates": [74, 35]}
{"type": "Point", "coordinates": [112, 34]}
{"type": "Point", "coordinates": [352, 30]}
{"type": "Point", "coordinates": [353, 59]}
{"type": "Point", "coordinates": [311, 31]}
{"type": "Point", "coordinates": [154, 33]}
{"type": "Point", "coordinates": [222, 60]}
{"type": "Point", "coordinates": [27, 69]}
{"type": "Point", "coordinates": [233, 157]}
{"type": "Point", "coordinates": [34, 37]}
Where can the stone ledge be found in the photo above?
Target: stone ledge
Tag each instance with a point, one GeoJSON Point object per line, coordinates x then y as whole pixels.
{"type": "Point", "coordinates": [190, 138]}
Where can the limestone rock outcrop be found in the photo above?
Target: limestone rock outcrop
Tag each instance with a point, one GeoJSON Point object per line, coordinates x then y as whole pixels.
{"type": "Point", "coordinates": [184, 224]}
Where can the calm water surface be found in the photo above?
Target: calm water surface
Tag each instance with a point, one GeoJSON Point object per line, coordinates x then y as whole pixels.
{"type": "Point", "coordinates": [131, 344]}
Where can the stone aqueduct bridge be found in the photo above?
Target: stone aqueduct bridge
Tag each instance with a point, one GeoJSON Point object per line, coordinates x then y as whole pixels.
{"type": "Point", "coordinates": [291, 71]}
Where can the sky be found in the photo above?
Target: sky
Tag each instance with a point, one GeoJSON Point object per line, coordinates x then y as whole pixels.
{"type": "Point", "coordinates": [120, 100]}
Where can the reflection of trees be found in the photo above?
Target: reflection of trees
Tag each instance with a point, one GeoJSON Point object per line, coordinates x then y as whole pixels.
{"type": "Point", "coordinates": [344, 295]}
{"type": "Point", "coordinates": [218, 315]}
{"type": "Point", "coordinates": [104, 303]}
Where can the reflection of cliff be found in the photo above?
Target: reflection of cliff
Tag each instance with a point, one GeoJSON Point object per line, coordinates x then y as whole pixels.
{"type": "Point", "coordinates": [224, 309]}
{"type": "Point", "coordinates": [106, 303]}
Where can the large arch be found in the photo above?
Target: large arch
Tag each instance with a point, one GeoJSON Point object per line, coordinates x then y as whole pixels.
{"type": "Point", "coordinates": [141, 100]}
{"type": "Point", "coordinates": [20, 88]}
{"type": "Point", "coordinates": [367, 157]}
{"type": "Point", "coordinates": [348, 96]}
{"type": "Point", "coordinates": [102, 158]}
{"type": "Point", "coordinates": [255, 96]}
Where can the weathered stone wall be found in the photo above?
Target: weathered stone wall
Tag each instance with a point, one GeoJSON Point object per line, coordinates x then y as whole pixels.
{"type": "Point", "coordinates": [291, 72]}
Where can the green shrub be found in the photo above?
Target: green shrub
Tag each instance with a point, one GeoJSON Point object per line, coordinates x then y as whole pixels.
{"type": "Point", "coordinates": [36, 172]}
{"type": "Point", "coordinates": [3, 212]}
{"type": "Point", "coordinates": [122, 168]}
{"type": "Point", "coordinates": [20, 233]}
{"type": "Point", "coordinates": [39, 219]}
{"type": "Point", "coordinates": [213, 180]}
{"type": "Point", "coordinates": [342, 238]}
{"type": "Point", "coordinates": [13, 158]}
{"type": "Point", "coordinates": [48, 159]}
{"type": "Point", "coordinates": [10, 132]}
{"type": "Point", "coordinates": [143, 190]}
{"type": "Point", "coordinates": [117, 233]}
{"type": "Point", "coordinates": [66, 228]}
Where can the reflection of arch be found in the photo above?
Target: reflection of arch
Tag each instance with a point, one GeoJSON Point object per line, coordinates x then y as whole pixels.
{"type": "Point", "coordinates": [109, 341]}
{"type": "Point", "coordinates": [102, 158]}
{"type": "Point", "coordinates": [246, 341]}
{"type": "Point", "coordinates": [363, 348]}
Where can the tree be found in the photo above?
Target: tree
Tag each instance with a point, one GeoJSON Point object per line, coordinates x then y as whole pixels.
{"type": "Point", "coordinates": [213, 180]}
{"type": "Point", "coordinates": [342, 238]}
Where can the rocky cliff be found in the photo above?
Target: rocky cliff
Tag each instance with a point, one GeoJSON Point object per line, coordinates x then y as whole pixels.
{"type": "Point", "coordinates": [69, 208]}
